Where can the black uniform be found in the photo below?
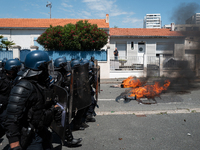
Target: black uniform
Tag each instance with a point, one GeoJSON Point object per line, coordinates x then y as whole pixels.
{"type": "Point", "coordinates": [63, 80]}
{"type": "Point", "coordinates": [90, 110]}
{"type": "Point", "coordinates": [5, 88]}
{"type": "Point", "coordinates": [29, 115]}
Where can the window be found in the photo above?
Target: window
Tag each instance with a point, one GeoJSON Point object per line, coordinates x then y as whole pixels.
{"type": "Point", "coordinates": [132, 45]}
{"type": "Point", "coordinates": [165, 46]}
{"type": "Point", "coordinates": [196, 28]}
{"type": "Point", "coordinates": [3, 39]}
{"type": "Point", "coordinates": [40, 47]}
{"type": "Point", "coordinates": [188, 28]}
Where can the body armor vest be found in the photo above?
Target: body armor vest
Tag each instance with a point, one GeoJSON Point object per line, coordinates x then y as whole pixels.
{"type": "Point", "coordinates": [41, 114]}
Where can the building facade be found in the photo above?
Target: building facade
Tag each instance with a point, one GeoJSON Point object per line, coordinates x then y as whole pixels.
{"type": "Point", "coordinates": [24, 32]}
{"type": "Point", "coordinates": [152, 21]}
{"type": "Point", "coordinates": [139, 41]}
{"type": "Point", "coordinates": [195, 19]}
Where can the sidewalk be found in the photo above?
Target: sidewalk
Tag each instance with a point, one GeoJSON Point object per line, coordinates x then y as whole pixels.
{"type": "Point", "coordinates": [112, 81]}
{"type": "Point", "coordinates": [119, 80]}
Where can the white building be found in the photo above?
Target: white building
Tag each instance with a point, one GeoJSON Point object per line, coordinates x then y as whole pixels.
{"type": "Point", "coordinates": [139, 47]}
{"type": "Point", "coordinates": [195, 19]}
{"type": "Point", "coordinates": [152, 21]}
{"type": "Point", "coordinates": [25, 31]}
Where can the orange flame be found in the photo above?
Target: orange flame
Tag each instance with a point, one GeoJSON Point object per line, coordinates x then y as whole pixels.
{"type": "Point", "coordinates": [131, 82]}
{"type": "Point", "coordinates": [149, 91]}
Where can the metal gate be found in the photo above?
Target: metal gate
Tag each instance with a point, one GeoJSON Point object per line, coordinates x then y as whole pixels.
{"type": "Point", "coordinates": [23, 54]}
{"type": "Point", "coordinates": [6, 54]}
{"type": "Point", "coordinates": [153, 66]}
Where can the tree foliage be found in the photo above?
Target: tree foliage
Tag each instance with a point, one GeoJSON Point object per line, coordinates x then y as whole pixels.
{"type": "Point", "coordinates": [5, 44]}
{"type": "Point", "coordinates": [1, 45]}
{"type": "Point", "coordinates": [79, 36]}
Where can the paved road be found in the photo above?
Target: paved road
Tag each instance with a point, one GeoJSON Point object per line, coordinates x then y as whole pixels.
{"type": "Point", "coordinates": [171, 124]}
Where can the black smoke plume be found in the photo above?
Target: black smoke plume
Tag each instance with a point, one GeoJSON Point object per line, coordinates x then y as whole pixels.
{"type": "Point", "coordinates": [184, 11]}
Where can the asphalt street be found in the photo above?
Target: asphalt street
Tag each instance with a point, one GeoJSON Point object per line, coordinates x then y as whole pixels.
{"type": "Point", "coordinates": [170, 124]}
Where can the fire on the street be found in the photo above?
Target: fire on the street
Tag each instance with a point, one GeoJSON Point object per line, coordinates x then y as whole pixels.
{"type": "Point", "coordinates": [148, 91]}
{"type": "Point", "coordinates": [131, 82]}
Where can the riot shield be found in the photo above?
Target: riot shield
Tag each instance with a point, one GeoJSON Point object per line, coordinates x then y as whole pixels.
{"type": "Point", "coordinates": [97, 79]}
{"type": "Point", "coordinates": [62, 98]}
{"type": "Point", "coordinates": [71, 95]}
{"type": "Point", "coordinates": [81, 87]}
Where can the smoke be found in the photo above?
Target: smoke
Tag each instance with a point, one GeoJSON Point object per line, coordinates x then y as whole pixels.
{"type": "Point", "coordinates": [183, 12]}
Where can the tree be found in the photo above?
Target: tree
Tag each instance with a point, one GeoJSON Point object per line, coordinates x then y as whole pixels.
{"type": "Point", "coordinates": [5, 44]}
{"type": "Point", "coordinates": [79, 36]}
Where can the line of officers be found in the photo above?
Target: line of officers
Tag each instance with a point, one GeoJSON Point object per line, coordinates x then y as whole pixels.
{"type": "Point", "coordinates": [29, 104]}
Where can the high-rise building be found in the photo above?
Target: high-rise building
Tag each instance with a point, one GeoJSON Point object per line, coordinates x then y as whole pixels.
{"type": "Point", "coordinates": [152, 21]}
{"type": "Point", "coordinates": [195, 19]}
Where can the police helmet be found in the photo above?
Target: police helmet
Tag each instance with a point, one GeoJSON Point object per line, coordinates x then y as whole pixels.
{"type": "Point", "coordinates": [59, 61]}
{"type": "Point", "coordinates": [35, 59]}
{"type": "Point", "coordinates": [12, 65]}
{"type": "Point", "coordinates": [91, 64]}
{"type": "Point", "coordinates": [75, 62]}
{"type": "Point", "coordinates": [84, 61]}
{"type": "Point", "coordinates": [35, 63]}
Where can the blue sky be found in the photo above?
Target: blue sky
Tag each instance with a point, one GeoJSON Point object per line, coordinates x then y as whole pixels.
{"type": "Point", "coordinates": [122, 13]}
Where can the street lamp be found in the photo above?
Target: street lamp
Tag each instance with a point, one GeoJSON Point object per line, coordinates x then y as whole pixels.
{"type": "Point", "coordinates": [49, 5]}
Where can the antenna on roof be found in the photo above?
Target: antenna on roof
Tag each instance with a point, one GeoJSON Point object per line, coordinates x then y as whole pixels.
{"type": "Point", "coordinates": [49, 5]}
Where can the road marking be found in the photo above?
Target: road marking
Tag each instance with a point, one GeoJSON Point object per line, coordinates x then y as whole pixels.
{"type": "Point", "coordinates": [177, 111]}
{"type": "Point", "coordinates": [106, 99]}
{"type": "Point", "coordinates": [141, 103]}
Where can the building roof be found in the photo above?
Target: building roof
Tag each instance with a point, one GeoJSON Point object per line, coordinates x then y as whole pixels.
{"type": "Point", "coordinates": [143, 32]}
{"type": "Point", "coordinates": [45, 23]}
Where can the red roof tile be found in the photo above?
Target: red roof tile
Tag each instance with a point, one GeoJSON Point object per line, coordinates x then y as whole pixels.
{"type": "Point", "coordinates": [142, 32]}
{"type": "Point", "coordinates": [45, 23]}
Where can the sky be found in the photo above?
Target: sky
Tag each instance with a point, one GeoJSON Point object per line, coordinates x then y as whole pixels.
{"type": "Point", "coordinates": [122, 13]}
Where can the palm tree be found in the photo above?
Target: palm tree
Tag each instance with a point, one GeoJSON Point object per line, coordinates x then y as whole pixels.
{"type": "Point", "coordinates": [7, 44]}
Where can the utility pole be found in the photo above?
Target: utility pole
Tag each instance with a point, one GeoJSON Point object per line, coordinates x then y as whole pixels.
{"type": "Point", "coordinates": [49, 5]}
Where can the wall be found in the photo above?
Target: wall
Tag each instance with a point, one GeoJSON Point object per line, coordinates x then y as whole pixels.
{"type": "Point", "coordinates": [23, 37]}
{"type": "Point", "coordinates": [179, 48]}
{"type": "Point", "coordinates": [150, 45]}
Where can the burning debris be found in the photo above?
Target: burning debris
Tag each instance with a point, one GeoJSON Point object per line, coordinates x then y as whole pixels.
{"type": "Point", "coordinates": [149, 91]}
{"type": "Point", "coordinates": [131, 82]}
{"type": "Point", "coordinates": [141, 92]}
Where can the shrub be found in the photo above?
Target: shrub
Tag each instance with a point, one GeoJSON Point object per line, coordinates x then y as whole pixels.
{"type": "Point", "coordinates": [79, 36]}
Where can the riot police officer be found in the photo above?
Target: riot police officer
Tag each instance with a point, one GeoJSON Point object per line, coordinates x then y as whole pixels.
{"type": "Point", "coordinates": [30, 108]}
{"type": "Point", "coordinates": [11, 67]}
{"type": "Point", "coordinates": [62, 66]}
{"type": "Point", "coordinates": [90, 112]}
{"type": "Point", "coordinates": [4, 62]}
{"type": "Point", "coordinates": [2, 65]}
{"type": "Point", "coordinates": [78, 122]}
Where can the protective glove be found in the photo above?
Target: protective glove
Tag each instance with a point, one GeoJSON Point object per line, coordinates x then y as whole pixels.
{"type": "Point", "coordinates": [16, 148]}
{"type": "Point", "coordinates": [58, 115]}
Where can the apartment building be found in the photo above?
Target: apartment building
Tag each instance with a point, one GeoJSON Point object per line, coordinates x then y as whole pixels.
{"type": "Point", "coordinates": [195, 19]}
{"type": "Point", "coordinates": [152, 21]}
